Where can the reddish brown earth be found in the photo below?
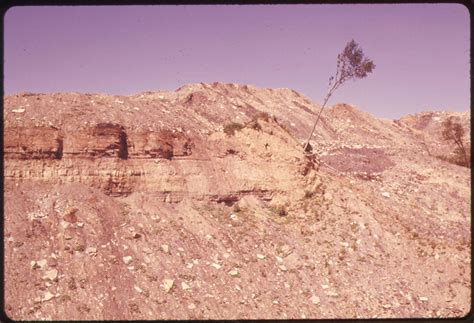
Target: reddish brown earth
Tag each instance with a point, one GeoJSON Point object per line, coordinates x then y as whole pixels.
{"type": "Point", "coordinates": [142, 207]}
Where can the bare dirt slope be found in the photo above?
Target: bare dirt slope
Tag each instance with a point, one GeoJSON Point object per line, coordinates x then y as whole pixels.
{"type": "Point", "coordinates": [156, 206]}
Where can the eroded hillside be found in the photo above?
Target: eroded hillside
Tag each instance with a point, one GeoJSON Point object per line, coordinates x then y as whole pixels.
{"type": "Point", "coordinates": [150, 207]}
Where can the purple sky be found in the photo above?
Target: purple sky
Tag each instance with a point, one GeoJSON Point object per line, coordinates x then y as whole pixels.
{"type": "Point", "coordinates": [421, 51]}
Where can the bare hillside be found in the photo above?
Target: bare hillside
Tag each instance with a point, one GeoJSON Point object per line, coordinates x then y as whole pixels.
{"type": "Point", "coordinates": [201, 204]}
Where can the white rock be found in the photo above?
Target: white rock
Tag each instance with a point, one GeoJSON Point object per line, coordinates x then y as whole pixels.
{"type": "Point", "coordinates": [314, 299]}
{"type": "Point", "coordinates": [80, 224]}
{"type": "Point", "coordinates": [185, 286]}
{"type": "Point", "coordinates": [282, 268]}
{"type": "Point", "coordinates": [138, 289]}
{"type": "Point", "coordinates": [327, 196]}
{"type": "Point", "coordinates": [344, 244]}
{"type": "Point", "coordinates": [165, 248]}
{"type": "Point", "coordinates": [20, 110]}
{"type": "Point", "coordinates": [259, 256]}
{"type": "Point", "coordinates": [92, 251]}
{"type": "Point", "coordinates": [50, 274]}
{"type": "Point", "coordinates": [47, 296]}
{"type": "Point", "coordinates": [217, 266]}
{"type": "Point", "coordinates": [168, 284]}
{"type": "Point", "coordinates": [386, 194]}
{"type": "Point", "coordinates": [127, 259]}
{"type": "Point", "coordinates": [191, 306]}
{"type": "Point", "coordinates": [423, 299]}
{"type": "Point", "coordinates": [234, 272]}
{"type": "Point", "coordinates": [41, 263]}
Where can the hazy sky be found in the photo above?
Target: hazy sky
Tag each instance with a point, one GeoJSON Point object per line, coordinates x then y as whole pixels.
{"type": "Point", "coordinates": [421, 51]}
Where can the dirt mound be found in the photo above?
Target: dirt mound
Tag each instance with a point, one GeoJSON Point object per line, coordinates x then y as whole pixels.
{"type": "Point", "coordinates": [201, 204]}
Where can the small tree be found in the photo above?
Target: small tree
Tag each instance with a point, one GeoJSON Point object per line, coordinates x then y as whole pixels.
{"type": "Point", "coordinates": [351, 65]}
{"type": "Point", "coordinates": [453, 131]}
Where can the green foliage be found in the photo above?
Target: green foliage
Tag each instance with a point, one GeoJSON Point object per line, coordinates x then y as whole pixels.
{"type": "Point", "coordinates": [454, 132]}
{"type": "Point", "coordinates": [232, 127]}
{"type": "Point", "coordinates": [351, 65]}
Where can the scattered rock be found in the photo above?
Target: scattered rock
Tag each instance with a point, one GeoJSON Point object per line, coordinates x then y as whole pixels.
{"type": "Point", "coordinates": [138, 289]}
{"type": "Point", "coordinates": [127, 259]}
{"type": "Point", "coordinates": [147, 250]}
{"type": "Point", "coordinates": [168, 284]}
{"type": "Point", "coordinates": [217, 266]}
{"type": "Point", "coordinates": [185, 286]}
{"type": "Point", "coordinates": [344, 244]}
{"type": "Point", "coordinates": [41, 263]}
{"type": "Point", "coordinates": [91, 251]}
{"type": "Point", "coordinates": [165, 248]}
{"type": "Point", "coordinates": [234, 272]}
{"type": "Point", "coordinates": [314, 299]}
{"type": "Point", "coordinates": [191, 306]}
{"type": "Point", "coordinates": [47, 296]}
{"type": "Point", "coordinates": [327, 196]}
{"type": "Point", "coordinates": [50, 275]}
{"type": "Point", "coordinates": [19, 110]}
{"type": "Point", "coordinates": [286, 250]}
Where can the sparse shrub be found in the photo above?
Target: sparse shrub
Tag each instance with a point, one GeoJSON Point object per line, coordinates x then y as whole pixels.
{"type": "Point", "coordinates": [454, 132]}
{"type": "Point", "coordinates": [308, 194]}
{"type": "Point", "coordinates": [281, 210]}
{"type": "Point", "coordinates": [236, 208]}
{"type": "Point", "coordinates": [232, 127]}
{"type": "Point", "coordinates": [254, 125]}
{"type": "Point", "coordinates": [262, 115]}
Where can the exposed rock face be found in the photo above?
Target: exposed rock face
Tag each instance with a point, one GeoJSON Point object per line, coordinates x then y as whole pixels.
{"type": "Point", "coordinates": [142, 207]}
{"type": "Point", "coordinates": [33, 143]}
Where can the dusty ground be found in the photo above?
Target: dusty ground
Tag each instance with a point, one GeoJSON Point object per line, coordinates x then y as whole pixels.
{"type": "Point", "coordinates": [199, 224]}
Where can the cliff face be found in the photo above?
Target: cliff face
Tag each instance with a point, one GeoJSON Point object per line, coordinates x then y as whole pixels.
{"type": "Point", "coordinates": [201, 204]}
{"type": "Point", "coordinates": [120, 162]}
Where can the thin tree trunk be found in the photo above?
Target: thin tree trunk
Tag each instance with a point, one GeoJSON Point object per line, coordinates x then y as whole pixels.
{"type": "Point", "coordinates": [319, 114]}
